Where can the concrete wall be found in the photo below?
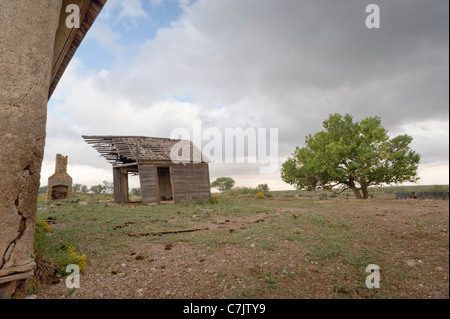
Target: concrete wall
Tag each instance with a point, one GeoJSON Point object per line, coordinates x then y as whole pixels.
{"type": "Point", "coordinates": [27, 33]}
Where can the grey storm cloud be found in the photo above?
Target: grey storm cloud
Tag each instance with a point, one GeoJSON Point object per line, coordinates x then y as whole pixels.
{"type": "Point", "coordinates": [288, 64]}
{"type": "Point", "coordinates": [305, 59]}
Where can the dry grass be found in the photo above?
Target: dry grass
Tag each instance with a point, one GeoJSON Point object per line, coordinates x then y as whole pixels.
{"type": "Point", "coordinates": [44, 274]}
{"type": "Point", "coordinates": [282, 247]}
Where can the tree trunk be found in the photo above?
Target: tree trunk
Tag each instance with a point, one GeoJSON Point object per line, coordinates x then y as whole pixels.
{"type": "Point", "coordinates": [27, 34]}
{"type": "Point", "coordinates": [365, 191]}
{"type": "Point", "coordinates": [356, 192]}
{"type": "Point", "coordinates": [353, 187]}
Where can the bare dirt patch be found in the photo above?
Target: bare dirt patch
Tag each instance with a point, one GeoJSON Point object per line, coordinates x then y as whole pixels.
{"type": "Point", "coordinates": [278, 248]}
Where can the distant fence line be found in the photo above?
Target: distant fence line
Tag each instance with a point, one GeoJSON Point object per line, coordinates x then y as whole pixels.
{"type": "Point", "coordinates": [421, 195]}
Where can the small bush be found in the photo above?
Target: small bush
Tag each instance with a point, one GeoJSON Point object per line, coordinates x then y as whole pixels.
{"type": "Point", "coordinates": [201, 202]}
{"type": "Point", "coordinates": [42, 226]}
{"type": "Point", "coordinates": [230, 193]}
{"type": "Point", "coordinates": [74, 258]}
{"type": "Point", "coordinates": [244, 190]}
{"type": "Point", "coordinates": [259, 196]}
{"type": "Point", "coordinates": [187, 201]}
{"type": "Point", "coordinates": [215, 199]}
{"type": "Point", "coordinates": [67, 256]}
{"type": "Point", "coordinates": [263, 188]}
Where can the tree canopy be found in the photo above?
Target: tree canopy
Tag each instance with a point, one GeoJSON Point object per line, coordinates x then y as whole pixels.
{"type": "Point", "coordinates": [351, 155]}
{"type": "Point", "coordinates": [223, 183]}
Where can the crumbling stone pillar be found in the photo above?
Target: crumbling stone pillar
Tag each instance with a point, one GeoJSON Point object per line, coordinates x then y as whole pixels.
{"type": "Point", "coordinates": [59, 185]}
{"type": "Point", "coordinates": [27, 34]}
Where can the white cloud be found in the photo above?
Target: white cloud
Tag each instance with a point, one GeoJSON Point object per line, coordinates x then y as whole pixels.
{"type": "Point", "coordinates": [262, 64]}
{"type": "Point", "coordinates": [430, 139]}
{"type": "Point", "coordinates": [123, 10]}
{"type": "Point", "coordinates": [106, 38]}
{"type": "Point", "coordinates": [434, 174]}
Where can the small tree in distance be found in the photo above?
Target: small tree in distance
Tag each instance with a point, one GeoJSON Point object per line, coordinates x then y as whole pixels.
{"type": "Point", "coordinates": [97, 189]}
{"type": "Point", "coordinates": [108, 187]}
{"type": "Point", "coordinates": [348, 155]}
{"type": "Point", "coordinates": [136, 191]}
{"type": "Point", "coordinates": [79, 188]}
{"type": "Point", "coordinates": [223, 183]}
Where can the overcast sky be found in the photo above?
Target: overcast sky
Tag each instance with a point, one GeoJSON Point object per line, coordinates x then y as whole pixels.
{"type": "Point", "coordinates": [147, 67]}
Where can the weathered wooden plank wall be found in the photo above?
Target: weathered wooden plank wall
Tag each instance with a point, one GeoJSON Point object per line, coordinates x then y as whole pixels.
{"type": "Point", "coordinates": [190, 182]}
{"type": "Point", "coordinates": [120, 180]}
{"type": "Point", "coordinates": [148, 176]}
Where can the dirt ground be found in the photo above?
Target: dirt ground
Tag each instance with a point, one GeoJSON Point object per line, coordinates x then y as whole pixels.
{"type": "Point", "coordinates": [319, 250]}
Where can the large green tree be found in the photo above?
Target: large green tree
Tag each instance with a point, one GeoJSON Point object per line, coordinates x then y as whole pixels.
{"type": "Point", "coordinates": [351, 155]}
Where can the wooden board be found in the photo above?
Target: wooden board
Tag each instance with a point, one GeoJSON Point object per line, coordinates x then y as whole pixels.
{"type": "Point", "coordinates": [148, 176]}
{"type": "Point", "coordinates": [162, 232]}
{"type": "Point", "coordinates": [120, 180]}
{"type": "Point", "coordinates": [190, 182]}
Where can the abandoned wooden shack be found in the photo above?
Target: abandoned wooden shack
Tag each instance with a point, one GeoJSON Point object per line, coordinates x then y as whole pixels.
{"type": "Point", "coordinates": [165, 172]}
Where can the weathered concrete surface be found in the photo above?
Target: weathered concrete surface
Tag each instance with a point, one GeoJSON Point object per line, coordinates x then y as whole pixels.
{"type": "Point", "coordinates": [27, 33]}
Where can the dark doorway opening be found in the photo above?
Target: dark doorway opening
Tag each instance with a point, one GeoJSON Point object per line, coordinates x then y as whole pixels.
{"type": "Point", "coordinates": [164, 184]}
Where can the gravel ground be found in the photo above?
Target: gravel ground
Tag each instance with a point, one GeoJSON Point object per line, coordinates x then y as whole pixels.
{"type": "Point", "coordinates": [409, 237]}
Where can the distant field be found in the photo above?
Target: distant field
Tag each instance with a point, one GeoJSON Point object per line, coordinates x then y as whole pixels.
{"type": "Point", "coordinates": [376, 192]}
{"type": "Point", "coordinates": [290, 245]}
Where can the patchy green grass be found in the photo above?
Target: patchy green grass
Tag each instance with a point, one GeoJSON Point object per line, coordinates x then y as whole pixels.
{"type": "Point", "coordinates": [303, 247]}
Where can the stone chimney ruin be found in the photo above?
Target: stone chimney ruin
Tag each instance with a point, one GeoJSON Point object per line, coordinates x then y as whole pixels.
{"type": "Point", "coordinates": [60, 183]}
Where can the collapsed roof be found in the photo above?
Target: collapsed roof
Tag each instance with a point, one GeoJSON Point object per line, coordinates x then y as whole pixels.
{"type": "Point", "coordinates": [128, 150]}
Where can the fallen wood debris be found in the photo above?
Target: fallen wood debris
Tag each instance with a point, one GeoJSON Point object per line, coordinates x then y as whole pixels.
{"type": "Point", "coordinates": [162, 232]}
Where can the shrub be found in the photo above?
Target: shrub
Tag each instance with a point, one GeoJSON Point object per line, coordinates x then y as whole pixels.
{"type": "Point", "coordinates": [263, 188]}
{"type": "Point", "coordinates": [230, 193]}
{"type": "Point", "coordinates": [259, 196]}
{"type": "Point", "coordinates": [50, 261]}
{"type": "Point", "coordinates": [215, 199]}
{"type": "Point", "coordinates": [223, 183]}
{"type": "Point", "coordinates": [75, 258]}
{"type": "Point", "coordinates": [187, 201]}
{"type": "Point", "coordinates": [244, 190]}
{"type": "Point", "coordinates": [69, 256]}
{"type": "Point", "coordinates": [42, 226]}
